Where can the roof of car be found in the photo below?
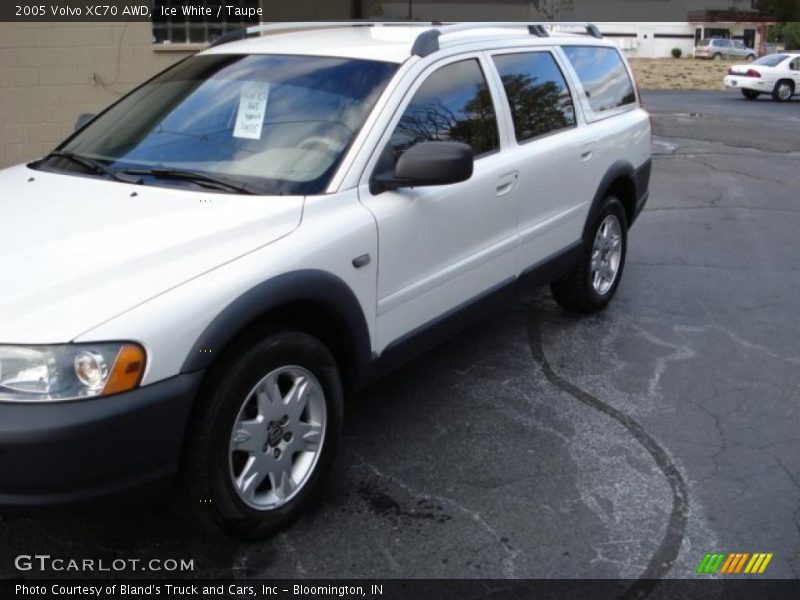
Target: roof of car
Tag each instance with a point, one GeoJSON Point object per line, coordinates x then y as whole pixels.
{"type": "Point", "coordinates": [388, 43]}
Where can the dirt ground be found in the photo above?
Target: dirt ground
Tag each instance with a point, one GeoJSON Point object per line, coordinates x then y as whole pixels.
{"type": "Point", "coordinates": [680, 73]}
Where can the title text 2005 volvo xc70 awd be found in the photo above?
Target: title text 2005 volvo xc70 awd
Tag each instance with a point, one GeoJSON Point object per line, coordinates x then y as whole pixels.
{"type": "Point", "coordinates": [194, 280]}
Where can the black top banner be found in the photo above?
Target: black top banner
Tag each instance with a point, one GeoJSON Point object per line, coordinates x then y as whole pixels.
{"type": "Point", "coordinates": [250, 11]}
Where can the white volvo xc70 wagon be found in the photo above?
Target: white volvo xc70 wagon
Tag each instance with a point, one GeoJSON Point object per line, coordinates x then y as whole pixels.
{"type": "Point", "coordinates": [194, 280]}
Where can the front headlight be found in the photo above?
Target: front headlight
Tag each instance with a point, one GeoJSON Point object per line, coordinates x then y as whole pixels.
{"type": "Point", "coordinates": [68, 372]}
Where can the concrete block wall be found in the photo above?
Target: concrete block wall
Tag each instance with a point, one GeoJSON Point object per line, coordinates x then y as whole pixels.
{"type": "Point", "coordinates": [52, 72]}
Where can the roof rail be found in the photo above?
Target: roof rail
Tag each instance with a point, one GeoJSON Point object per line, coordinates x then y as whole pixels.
{"type": "Point", "coordinates": [428, 41]}
{"type": "Point", "coordinates": [240, 34]}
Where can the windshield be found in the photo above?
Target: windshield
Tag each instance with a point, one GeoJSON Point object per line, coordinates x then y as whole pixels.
{"type": "Point", "coordinates": [276, 124]}
{"type": "Point", "coordinates": [773, 60]}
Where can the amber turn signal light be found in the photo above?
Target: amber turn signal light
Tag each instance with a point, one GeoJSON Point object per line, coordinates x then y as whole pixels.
{"type": "Point", "coordinates": [126, 374]}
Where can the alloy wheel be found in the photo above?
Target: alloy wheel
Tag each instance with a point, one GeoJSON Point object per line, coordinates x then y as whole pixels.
{"type": "Point", "coordinates": [277, 437]}
{"type": "Point", "coordinates": [606, 255]}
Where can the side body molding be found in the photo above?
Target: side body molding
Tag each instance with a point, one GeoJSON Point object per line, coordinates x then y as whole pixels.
{"type": "Point", "coordinates": [320, 288]}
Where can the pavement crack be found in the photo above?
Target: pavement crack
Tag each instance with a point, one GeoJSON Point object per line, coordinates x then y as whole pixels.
{"type": "Point", "coordinates": [667, 552]}
{"type": "Point", "coordinates": [721, 206]}
{"type": "Point", "coordinates": [678, 353]}
{"type": "Point", "coordinates": [739, 340]}
{"type": "Point", "coordinates": [688, 265]}
{"type": "Point", "coordinates": [693, 157]}
{"type": "Point", "coordinates": [743, 148]}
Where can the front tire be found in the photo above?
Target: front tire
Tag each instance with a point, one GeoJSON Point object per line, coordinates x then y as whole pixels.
{"type": "Point", "coordinates": [750, 94]}
{"type": "Point", "coordinates": [264, 436]}
{"type": "Point", "coordinates": [591, 285]}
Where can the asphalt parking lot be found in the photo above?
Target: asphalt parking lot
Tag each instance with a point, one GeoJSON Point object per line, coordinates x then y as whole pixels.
{"type": "Point", "coordinates": [538, 444]}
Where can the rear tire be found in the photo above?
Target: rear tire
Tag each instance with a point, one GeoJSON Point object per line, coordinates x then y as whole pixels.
{"type": "Point", "coordinates": [263, 437]}
{"type": "Point", "coordinates": [717, 56]}
{"type": "Point", "coordinates": [591, 285]}
{"type": "Point", "coordinates": [750, 94]}
{"type": "Point", "coordinates": [784, 90]}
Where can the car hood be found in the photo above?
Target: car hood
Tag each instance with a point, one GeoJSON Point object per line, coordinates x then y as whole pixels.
{"type": "Point", "coordinates": [77, 251]}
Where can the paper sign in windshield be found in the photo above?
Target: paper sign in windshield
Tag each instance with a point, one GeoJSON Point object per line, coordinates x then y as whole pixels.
{"type": "Point", "coordinates": [252, 109]}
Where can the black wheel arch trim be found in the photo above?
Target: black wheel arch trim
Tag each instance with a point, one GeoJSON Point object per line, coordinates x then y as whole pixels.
{"type": "Point", "coordinates": [304, 286]}
{"type": "Point", "coordinates": [639, 179]}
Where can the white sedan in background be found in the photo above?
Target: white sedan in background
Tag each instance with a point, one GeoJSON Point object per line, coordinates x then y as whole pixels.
{"type": "Point", "coordinates": [776, 74]}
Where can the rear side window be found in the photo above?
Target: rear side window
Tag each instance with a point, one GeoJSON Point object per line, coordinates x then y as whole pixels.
{"type": "Point", "coordinates": [772, 60]}
{"type": "Point", "coordinates": [453, 104]}
{"type": "Point", "coordinates": [537, 93]}
{"type": "Point", "coordinates": [603, 75]}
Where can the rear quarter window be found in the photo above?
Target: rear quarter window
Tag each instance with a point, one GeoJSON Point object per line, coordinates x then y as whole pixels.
{"type": "Point", "coordinates": [603, 75]}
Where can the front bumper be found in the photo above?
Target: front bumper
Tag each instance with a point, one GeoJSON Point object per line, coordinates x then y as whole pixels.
{"type": "Point", "coordinates": [63, 454]}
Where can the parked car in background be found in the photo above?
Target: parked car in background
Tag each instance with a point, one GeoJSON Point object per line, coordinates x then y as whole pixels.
{"type": "Point", "coordinates": [776, 74]}
{"type": "Point", "coordinates": [716, 49]}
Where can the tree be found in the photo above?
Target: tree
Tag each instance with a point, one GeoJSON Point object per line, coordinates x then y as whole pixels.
{"type": "Point", "coordinates": [787, 13]}
{"type": "Point", "coordinates": [790, 33]}
{"type": "Point", "coordinates": [784, 11]}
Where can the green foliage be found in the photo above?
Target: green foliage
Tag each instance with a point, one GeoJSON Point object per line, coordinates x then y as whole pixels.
{"type": "Point", "coordinates": [787, 13]}
{"type": "Point", "coordinates": [784, 11]}
{"type": "Point", "coordinates": [791, 35]}
{"type": "Point", "coordinates": [786, 33]}
{"type": "Point", "coordinates": [677, 53]}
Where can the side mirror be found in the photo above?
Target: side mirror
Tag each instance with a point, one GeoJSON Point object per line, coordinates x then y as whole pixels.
{"type": "Point", "coordinates": [426, 164]}
{"type": "Point", "coordinates": [83, 120]}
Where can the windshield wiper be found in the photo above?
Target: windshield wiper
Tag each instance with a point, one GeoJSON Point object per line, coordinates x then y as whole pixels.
{"type": "Point", "coordinates": [194, 177]}
{"type": "Point", "coordinates": [94, 165]}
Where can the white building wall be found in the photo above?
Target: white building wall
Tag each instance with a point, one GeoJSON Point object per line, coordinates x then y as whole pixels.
{"type": "Point", "coordinates": [656, 40]}
{"type": "Point", "coordinates": [563, 10]}
{"type": "Point", "coordinates": [647, 40]}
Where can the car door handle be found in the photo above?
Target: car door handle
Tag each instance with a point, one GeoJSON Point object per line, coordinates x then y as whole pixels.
{"type": "Point", "coordinates": [587, 152]}
{"type": "Point", "coordinates": [507, 183]}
